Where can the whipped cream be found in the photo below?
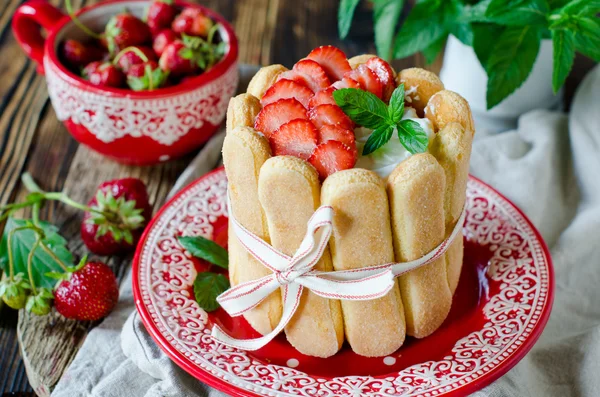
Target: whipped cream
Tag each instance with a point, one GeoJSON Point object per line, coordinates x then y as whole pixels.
{"type": "Point", "coordinates": [386, 158]}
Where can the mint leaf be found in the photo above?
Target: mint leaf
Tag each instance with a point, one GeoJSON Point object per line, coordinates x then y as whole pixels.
{"type": "Point", "coordinates": [43, 263]}
{"type": "Point", "coordinates": [362, 107]}
{"type": "Point", "coordinates": [518, 12]}
{"type": "Point", "coordinates": [377, 139]}
{"type": "Point", "coordinates": [511, 62]}
{"type": "Point", "coordinates": [463, 32]}
{"type": "Point", "coordinates": [563, 57]}
{"type": "Point", "coordinates": [412, 136]}
{"type": "Point", "coordinates": [431, 53]}
{"type": "Point", "coordinates": [484, 35]}
{"type": "Point", "coordinates": [587, 37]}
{"type": "Point", "coordinates": [206, 249]}
{"type": "Point", "coordinates": [207, 287]}
{"type": "Point", "coordinates": [345, 14]}
{"type": "Point", "coordinates": [396, 107]}
{"type": "Point", "coordinates": [386, 14]}
{"type": "Point", "coordinates": [581, 7]}
{"type": "Point", "coordinates": [424, 26]}
{"type": "Point", "coordinates": [475, 12]}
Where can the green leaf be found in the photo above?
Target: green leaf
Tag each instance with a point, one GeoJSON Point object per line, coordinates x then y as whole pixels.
{"type": "Point", "coordinates": [412, 136]}
{"type": "Point", "coordinates": [463, 32]}
{"type": "Point", "coordinates": [518, 12]}
{"type": "Point", "coordinates": [377, 139]}
{"type": "Point", "coordinates": [431, 53]}
{"type": "Point", "coordinates": [484, 35]}
{"type": "Point", "coordinates": [206, 249]}
{"type": "Point", "coordinates": [186, 53]}
{"type": "Point", "coordinates": [43, 263]}
{"type": "Point", "coordinates": [207, 287]}
{"type": "Point", "coordinates": [581, 7]}
{"type": "Point", "coordinates": [587, 37]}
{"type": "Point", "coordinates": [563, 57]}
{"type": "Point", "coordinates": [424, 26]}
{"type": "Point", "coordinates": [362, 107]}
{"type": "Point", "coordinates": [557, 3]}
{"type": "Point", "coordinates": [386, 14]}
{"type": "Point", "coordinates": [396, 107]}
{"type": "Point", "coordinates": [475, 12]}
{"type": "Point", "coordinates": [511, 62]}
{"type": "Point", "coordinates": [345, 14]}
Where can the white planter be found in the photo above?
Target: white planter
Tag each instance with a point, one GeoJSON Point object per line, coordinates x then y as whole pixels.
{"type": "Point", "coordinates": [462, 73]}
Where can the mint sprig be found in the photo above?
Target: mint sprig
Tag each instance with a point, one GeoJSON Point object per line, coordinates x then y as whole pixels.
{"type": "Point", "coordinates": [368, 110]}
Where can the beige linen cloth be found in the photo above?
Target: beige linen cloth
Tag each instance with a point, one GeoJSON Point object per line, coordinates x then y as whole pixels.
{"type": "Point", "coordinates": [549, 166]}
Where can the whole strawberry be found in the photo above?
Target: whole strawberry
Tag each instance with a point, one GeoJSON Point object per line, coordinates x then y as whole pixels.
{"type": "Point", "coordinates": [130, 58]}
{"type": "Point", "coordinates": [160, 15]}
{"type": "Point", "coordinates": [14, 291]}
{"type": "Point", "coordinates": [146, 76]}
{"type": "Point", "coordinates": [120, 210]}
{"type": "Point", "coordinates": [89, 293]}
{"type": "Point", "coordinates": [126, 30]}
{"type": "Point", "coordinates": [178, 60]}
{"type": "Point", "coordinates": [162, 40]}
{"type": "Point", "coordinates": [193, 22]}
{"type": "Point", "coordinates": [76, 54]}
{"type": "Point", "coordinates": [103, 74]}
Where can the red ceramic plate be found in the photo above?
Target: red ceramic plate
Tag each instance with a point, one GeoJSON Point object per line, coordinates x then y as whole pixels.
{"type": "Point", "coordinates": [500, 309]}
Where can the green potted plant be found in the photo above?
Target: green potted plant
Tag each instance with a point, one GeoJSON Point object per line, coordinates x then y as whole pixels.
{"type": "Point", "coordinates": [492, 46]}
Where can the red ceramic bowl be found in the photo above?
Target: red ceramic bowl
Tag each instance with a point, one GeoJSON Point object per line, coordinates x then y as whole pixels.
{"type": "Point", "coordinates": [127, 126]}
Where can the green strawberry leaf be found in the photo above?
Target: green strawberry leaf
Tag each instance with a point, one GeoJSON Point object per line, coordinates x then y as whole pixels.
{"type": "Point", "coordinates": [206, 249]}
{"type": "Point", "coordinates": [431, 53]}
{"type": "Point", "coordinates": [484, 34]}
{"type": "Point", "coordinates": [424, 26]}
{"type": "Point", "coordinates": [377, 139]}
{"type": "Point", "coordinates": [412, 136]}
{"type": "Point", "coordinates": [511, 61]}
{"type": "Point", "coordinates": [563, 57]}
{"type": "Point", "coordinates": [396, 107]}
{"type": "Point", "coordinates": [518, 12]}
{"type": "Point", "coordinates": [362, 107]}
{"type": "Point", "coordinates": [386, 14]}
{"type": "Point", "coordinates": [345, 14]}
{"type": "Point", "coordinates": [43, 263]}
{"type": "Point", "coordinates": [207, 287]}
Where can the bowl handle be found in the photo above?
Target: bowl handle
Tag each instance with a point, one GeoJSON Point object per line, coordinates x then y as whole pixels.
{"type": "Point", "coordinates": [26, 24]}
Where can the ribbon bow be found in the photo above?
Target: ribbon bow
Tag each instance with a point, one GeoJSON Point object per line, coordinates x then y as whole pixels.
{"type": "Point", "coordinates": [293, 274]}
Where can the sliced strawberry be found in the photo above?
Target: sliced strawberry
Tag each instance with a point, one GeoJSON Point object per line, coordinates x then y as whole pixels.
{"type": "Point", "coordinates": [323, 97]}
{"type": "Point", "coordinates": [287, 89]}
{"type": "Point", "coordinates": [332, 59]}
{"type": "Point", "coordinates": [346, 82]}
{"type": "Point", "coordinates": [276, 114]}
{"type": "Point", "coordinates": [332, 115]}
{"type": "Point", "coordinates": [296, 138]}
{"type": "Point", "coordinates": [334, 133]}
{"type": "Point", "coordinates": [367, 79]}
{"type": "Point", "coordinates": [384, 72]}
{"type": "Point", "coordinates": [309, 73]}
{"type": "Point", "coordinates": [331, 157]}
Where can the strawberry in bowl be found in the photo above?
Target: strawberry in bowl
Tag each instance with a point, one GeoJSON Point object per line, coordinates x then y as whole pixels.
{"type": "Point", "coordinates": [131, 84]}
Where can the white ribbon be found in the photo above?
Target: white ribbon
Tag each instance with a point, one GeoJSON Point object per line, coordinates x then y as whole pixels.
{"type": "Point", "coordinates": [292, 274]}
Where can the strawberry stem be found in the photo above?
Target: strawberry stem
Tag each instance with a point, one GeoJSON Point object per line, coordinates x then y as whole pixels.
{"type": "Point", "coordinates": [135, 50]}
{"type": "Point", "coordinates": [30, 263]}
{"type": "Point", "coordinates": [78, 23]}
{"type": "Point", "coordinates": [53, 256]}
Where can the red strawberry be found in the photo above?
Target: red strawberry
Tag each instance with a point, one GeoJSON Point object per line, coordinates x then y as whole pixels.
{"type": "Point", "coordinates": [276, 114]}
{"type": "Point", "coordinates": [103, 74]}
{"type": "Point", "coordinates": [323, 97]}
{"type": "Point", "coordinates": [332, 59]}
{"type": "Point", "coordinates": [287, 89]}
{"type": "Point", "coordinates": [309, 73]}
{"type": "Point", "coordinates": [128, 58]}
{"type": "Point", "coordinates": [162, 40]}
{"type": "Point", "coordinates": [121, 212]}
{"type": "Point", "coordinates": [367, 79]}
{"type": "Point", "coordinates": [331, 157]}
{"type": "Point", "coordinates": [192, 22]}
{"type": "Point", "coordinates": [296, 138]}
{"type": "Point", "coordinates": [125, 30]}
{"type": "Point", "coordinates": [384, 72]}
{"type": "Point", "coordinates": [77, 55]}
{"type": "Point", "coordinates": [346, 82]}
{"type": "Point", "coordinates": [160, 15]}
{"type": "Point", "coordinates": [172, 60]}
{"type": "Point", "coordinates": [146, 76]}
{"type": "Point", "coordinates": [334, 133]}
{"type": "Point", "coordinates": [332, 115]}
{"type": "Point", "coordinates": [89, 293]}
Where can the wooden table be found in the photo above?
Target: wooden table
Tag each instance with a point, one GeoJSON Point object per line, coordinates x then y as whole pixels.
{"type": "Point", "coordinates": [33, 140]}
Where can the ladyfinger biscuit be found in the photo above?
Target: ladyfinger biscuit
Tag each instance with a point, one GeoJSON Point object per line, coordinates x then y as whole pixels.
{"type": "Point", "coordinates": [416, 193]}
{"type": "Point", "coordinates": [362, 237]}
{"type": "Point", "coordinates": [452, 149]}
{"type": "Point", "coordinates": [244, 152]}
{"type": "Point", "coordinates": [289, 191]}
{"type": "Point", "coordinates": [358, 60]}
{"type": "Point", "coordinates": [242, 111]}
{"type": "Point", "coordinates": [419, 86]}
{"type": "Point", "coordinates": [263, 79]}
{"type": "Point", "coordinates": [446, 107]}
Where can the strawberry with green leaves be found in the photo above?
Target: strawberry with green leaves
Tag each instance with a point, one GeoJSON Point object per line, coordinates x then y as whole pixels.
{"type": "Point", "coordinates": [15, 290]}
{"type": "Point", "coordinates": [143, 73]}
{"type": "Point", "coordinates": [160, 15]}
{"type": "Point", "coordinates": [193, 22]}
{"type": "Point", "coordinates": [126, 30]}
